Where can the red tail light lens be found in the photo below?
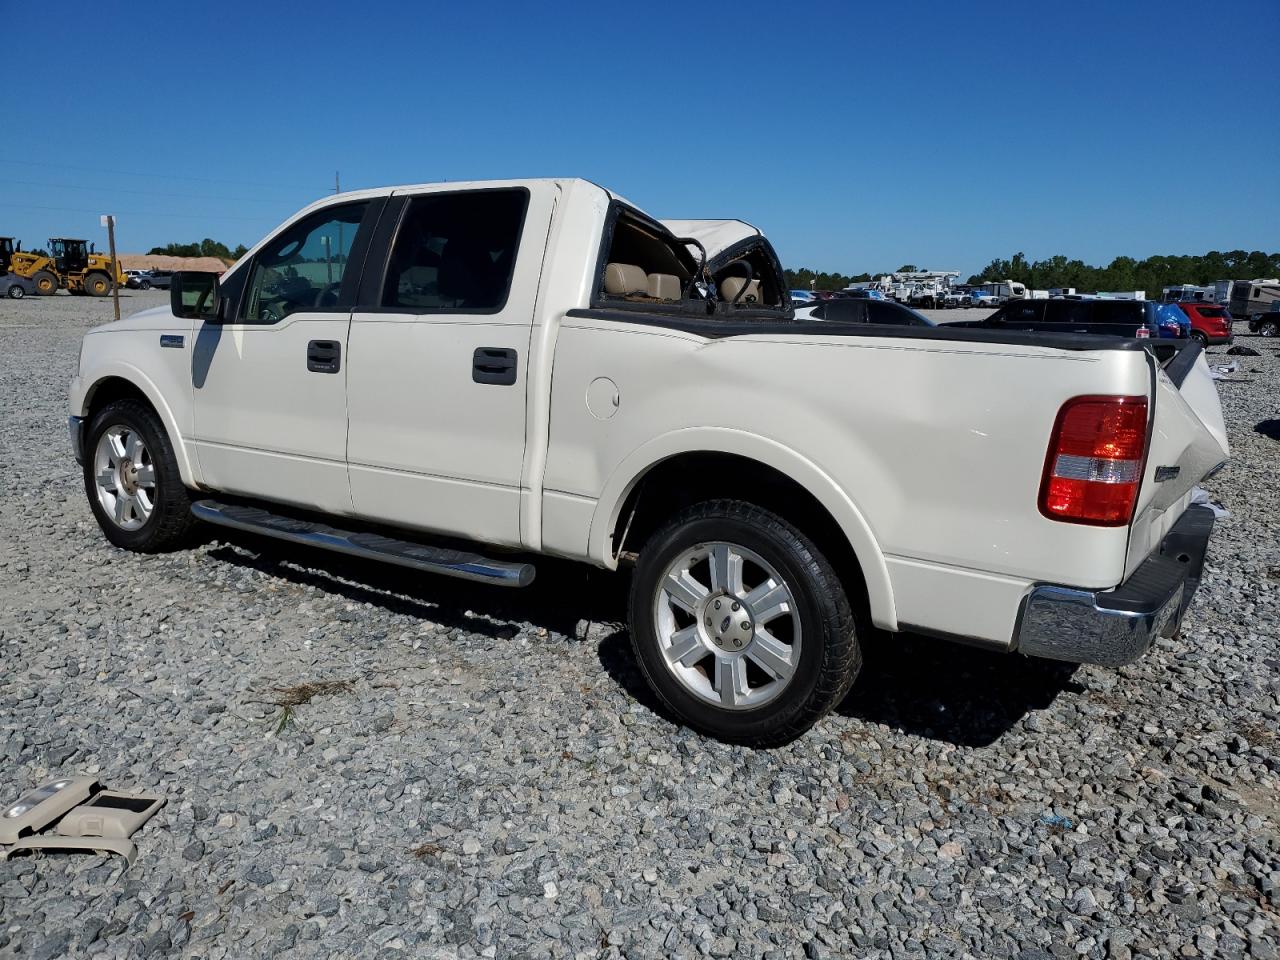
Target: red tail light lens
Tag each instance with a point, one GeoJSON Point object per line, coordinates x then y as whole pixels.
{"type": "Point", "coordinates": [1094, 465]}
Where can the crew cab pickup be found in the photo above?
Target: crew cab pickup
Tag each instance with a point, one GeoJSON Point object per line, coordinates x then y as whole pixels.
{"type": "Point", "coordinates": [462, 378]}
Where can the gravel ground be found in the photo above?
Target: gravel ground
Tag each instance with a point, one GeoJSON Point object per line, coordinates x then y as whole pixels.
{"type": "Point", "coordinates": [481, 773]}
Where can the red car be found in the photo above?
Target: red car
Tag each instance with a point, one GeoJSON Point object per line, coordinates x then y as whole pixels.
{"type": "Point", "coordinates": [1210, 323]}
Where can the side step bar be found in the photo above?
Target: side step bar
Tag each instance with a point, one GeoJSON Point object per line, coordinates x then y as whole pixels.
{"type": "Point", "coordinates": [369, 546]}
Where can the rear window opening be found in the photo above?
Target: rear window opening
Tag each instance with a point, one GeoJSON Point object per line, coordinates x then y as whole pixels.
{"type": "Point", "coordinates": [749, 281]}
{"type": "Point", "coordinates": [646, 265]}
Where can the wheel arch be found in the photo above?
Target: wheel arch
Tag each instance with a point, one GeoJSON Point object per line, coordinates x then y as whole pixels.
{"type": "Point", "coordinates": [709, 462]}
{"type": "Point", "coordinates": [122, 382]}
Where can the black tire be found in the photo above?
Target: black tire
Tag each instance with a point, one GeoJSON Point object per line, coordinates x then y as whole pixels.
{"type": "Point", "coordinates": [46, 283]}
{"type": "Point", "coordinates": [97, 284]}
{"type": "Point", "coordinates": [170, 523]}
{"type": "Point", "coordinates": [17, 292]}
{"type": "Point", "coordinates": [144, 285]}
{"type": "Point", "coordinates": [830, 655]}
{"type": "Point", "coordinates": [1269, 328]}
{"type": "Point", "coordinates": [1200, 338]}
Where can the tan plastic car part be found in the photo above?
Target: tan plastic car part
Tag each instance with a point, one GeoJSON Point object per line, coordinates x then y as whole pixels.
{"type": "Point", "coordinates": [110, 814]}
{"type": "Point", "coordinates": [38, 808]}
{"type": "Point", "coordinates": [123, 848]}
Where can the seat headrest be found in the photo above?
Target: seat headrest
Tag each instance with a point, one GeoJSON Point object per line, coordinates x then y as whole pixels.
{"type": "Point", "coordinates": [624, 279]}
{"type": "Point", "coordinates": [730, 286]}
{"type": "Point", "coordinates": [664, 286]}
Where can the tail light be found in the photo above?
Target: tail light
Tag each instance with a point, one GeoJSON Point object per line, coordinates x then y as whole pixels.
{"type": "Point", "coordinates": [1094, 465]}
{"type": "Point", "coordinates": [1142, 333]}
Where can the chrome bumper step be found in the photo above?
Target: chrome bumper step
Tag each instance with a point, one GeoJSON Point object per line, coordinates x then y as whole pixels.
{"type": "Point", "coordinates": [369, 546]}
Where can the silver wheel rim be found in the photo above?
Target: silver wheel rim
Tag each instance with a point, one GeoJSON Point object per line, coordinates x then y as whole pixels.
{"type": "Point", "coordinates": [125, 477]}
{"type": "Point", "coordinates": [727, 625]}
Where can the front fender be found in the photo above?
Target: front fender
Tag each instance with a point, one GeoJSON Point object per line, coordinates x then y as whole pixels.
{"type": "Point", "coordinates": [84, 386]}
{"type": "Point", "coordinates": [766, 451]}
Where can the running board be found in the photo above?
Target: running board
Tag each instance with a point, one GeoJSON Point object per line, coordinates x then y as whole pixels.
{"type": "Point", "coordinates": [369, 546]}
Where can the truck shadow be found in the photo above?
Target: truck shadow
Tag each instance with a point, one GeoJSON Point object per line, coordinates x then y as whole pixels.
{"type": "Point", "coordinates": [944, 691]}
{"type": "Point", "coordinates": [913, 684]}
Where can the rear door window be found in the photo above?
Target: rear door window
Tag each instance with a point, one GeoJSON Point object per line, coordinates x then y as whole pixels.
{"type": "Point", "coordinates": [846, 311]}
{"type": "Point", "coordinates": [456, 252]}
{"type": "Point", "coordinates": [1028, 311]}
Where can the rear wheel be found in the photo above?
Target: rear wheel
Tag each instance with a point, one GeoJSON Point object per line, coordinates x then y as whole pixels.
{"type": "Point", "coordinates": [16, 292]}
{"type": "Point", "coordinates": [46, 283]}
{"type": "Point", "coordinates": [1200, 338]}
{"type": "Point", "coordinates": [97, 284]}
{"type": "Point", "coordinates": [132, 480]}
{"type": "Point", "coordinates": [1270, 328]}
{"type": "Point", "coordinates": [740, 625]}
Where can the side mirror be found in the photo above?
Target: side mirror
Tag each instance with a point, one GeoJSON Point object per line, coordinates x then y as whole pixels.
{"type": "Point", "coordinates": [193, 295]}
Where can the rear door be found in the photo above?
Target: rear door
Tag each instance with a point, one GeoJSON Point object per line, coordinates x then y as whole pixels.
{"type": "Point", "coordinates": [438, 355]}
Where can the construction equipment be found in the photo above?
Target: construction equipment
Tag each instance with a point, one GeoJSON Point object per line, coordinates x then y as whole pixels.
{"type": "Point", "coordinates": [73, 264]}
{"type": "Point", "coordinates": [6, 253]}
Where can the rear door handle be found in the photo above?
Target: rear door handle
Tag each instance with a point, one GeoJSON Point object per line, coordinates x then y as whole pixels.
{"type": "Point", "coordinates": [496, 365]}
{"type": "Point", "coordinates": [324, 356]}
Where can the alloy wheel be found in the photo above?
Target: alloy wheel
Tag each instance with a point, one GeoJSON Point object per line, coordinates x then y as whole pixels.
{"type": "Point", "coordinates": [728, 625]}
{"type": "Point", "coordinates": [125, 477]}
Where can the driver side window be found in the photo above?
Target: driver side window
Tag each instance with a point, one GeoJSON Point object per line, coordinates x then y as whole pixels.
{"type": "Point", "coordinates": [304, 267]}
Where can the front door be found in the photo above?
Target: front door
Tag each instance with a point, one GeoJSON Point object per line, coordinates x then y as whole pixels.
{"type": "Point", "coordinates": [436, 388]}
{"type": "Point", "coordinates": [270, 383]}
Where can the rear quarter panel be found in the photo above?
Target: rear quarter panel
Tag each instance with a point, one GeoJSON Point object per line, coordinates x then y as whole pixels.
{"type": "Point", "coordinates": [940, 446]}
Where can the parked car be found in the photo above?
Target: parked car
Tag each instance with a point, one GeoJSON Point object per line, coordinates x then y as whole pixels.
{"type": "Point", "coordinates": [1210, 323]}
{"type": "Point", "coordinates": [138, 279]}
{"type": "Point", "coordinates": [15, 287]}
{"type": "Point", "coordinates": [862, 294]}
{"type": "Point", "coordinates": [864, 310]}
{"type": "Point", "coordinates": [779, 486]}
{"type": "Point", "coordinates": [159, 279]}
{"type": "Point", "coordinates": [1121, 318]}
{"type": "Point", "coordinates": [978, 298]}
{"type": "Point", "coordinates": [802, 296]}
{"type": "Point", "coordinates": [954, 298]}
{"type": "Point", "coordinates": [1172, 321]}
{"type": "Point", "coordinates": [1266, 324]}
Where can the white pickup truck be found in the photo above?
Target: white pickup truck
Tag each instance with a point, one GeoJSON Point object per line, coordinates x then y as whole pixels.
{"type": "Point", "coordinates": [459, 378]}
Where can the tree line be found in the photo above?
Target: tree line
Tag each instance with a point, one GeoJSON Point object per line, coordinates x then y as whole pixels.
{"type": "Point", "coordinates": [205, 248]}
{"type": "Point", "coordinates": [1122, 273]}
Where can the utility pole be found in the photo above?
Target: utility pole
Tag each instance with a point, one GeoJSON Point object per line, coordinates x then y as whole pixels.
{"type": "Point", "coordinates": [109, 222]}
{"type": "Point", "coordinates": [337, 187]}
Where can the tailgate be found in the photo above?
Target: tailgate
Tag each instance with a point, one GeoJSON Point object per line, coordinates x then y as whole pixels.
{"type": "Point", "coordinates": [1188, 441]}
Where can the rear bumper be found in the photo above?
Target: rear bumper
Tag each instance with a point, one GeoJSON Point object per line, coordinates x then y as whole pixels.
{"type": "Point", "coordinates": [1115, 627]}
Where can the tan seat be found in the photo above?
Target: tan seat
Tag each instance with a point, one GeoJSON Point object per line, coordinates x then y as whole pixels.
{"type": "Point", "coordinates": [730, 286]}
{"type": "Point", "coordinates": [664, 286]}
{"type": "Point", "coordinates": [625, 279]}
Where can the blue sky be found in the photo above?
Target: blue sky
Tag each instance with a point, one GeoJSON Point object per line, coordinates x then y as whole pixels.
{"type": "Point", "coordinates": [857, 136]}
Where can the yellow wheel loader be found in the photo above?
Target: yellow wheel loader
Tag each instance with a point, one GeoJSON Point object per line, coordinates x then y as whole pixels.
{"type": "Point", "coordinates": [73, 264]}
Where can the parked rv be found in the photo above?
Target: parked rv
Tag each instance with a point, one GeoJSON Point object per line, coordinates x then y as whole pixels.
{"type": "Point", "coordinates": [1004, 290]}
{"type": "Point", "coordinates": [1251, 297]}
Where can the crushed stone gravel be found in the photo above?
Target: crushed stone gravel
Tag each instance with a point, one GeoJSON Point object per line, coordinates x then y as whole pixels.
{"type": "Point", "coordinates": [481, 773]}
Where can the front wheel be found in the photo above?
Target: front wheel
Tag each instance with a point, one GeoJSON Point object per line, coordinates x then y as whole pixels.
{"type": "Point", "coordinates": [16, 292]}
{"type": "Point", "coordinates": [132, 480]}
{"type": "Point", "coordinates": [145, 285]}
{"type": "Point", "coordinates": [46, 283]}
{"type": "Point", "coordinates": [740, 625]}
{"type": "Point", "coordinates": [1270, 328]}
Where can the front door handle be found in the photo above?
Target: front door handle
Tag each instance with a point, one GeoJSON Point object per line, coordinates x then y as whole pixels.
{"type": "Point", "coordinates": [324, 356]}
{"type": "Point", "coordinates": [495, 365]}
